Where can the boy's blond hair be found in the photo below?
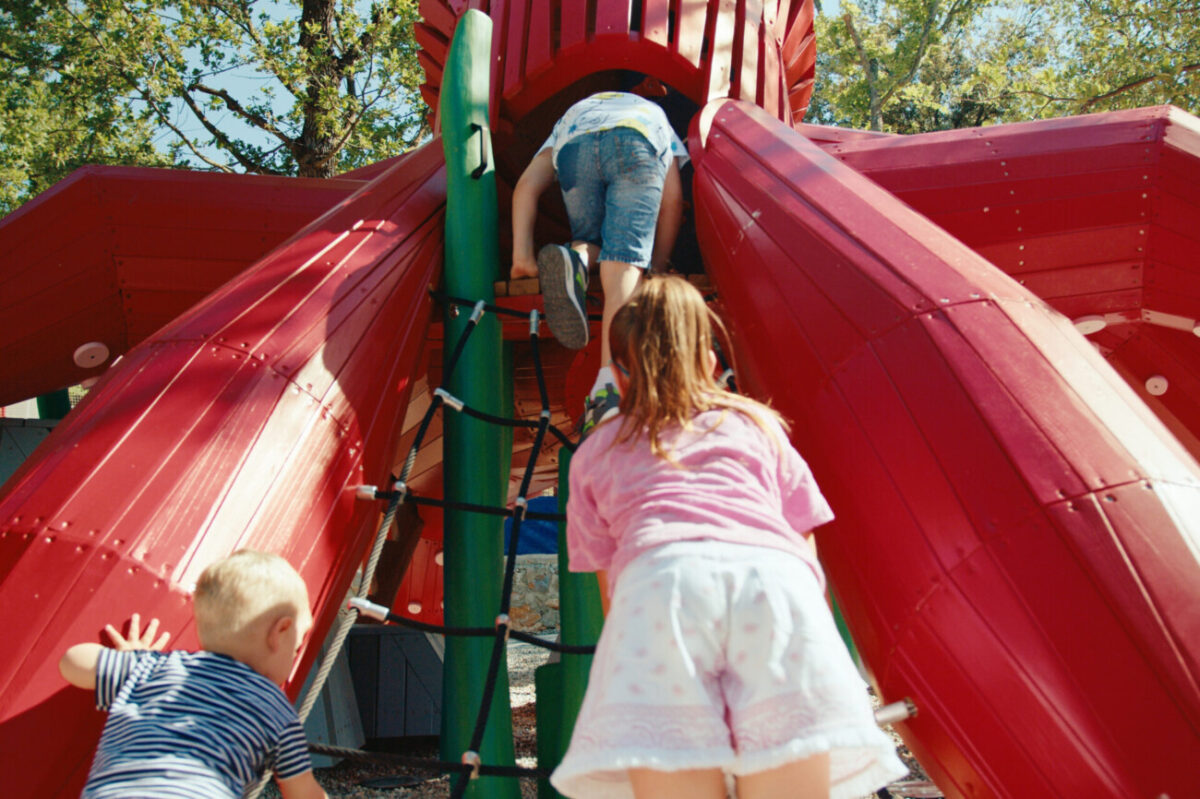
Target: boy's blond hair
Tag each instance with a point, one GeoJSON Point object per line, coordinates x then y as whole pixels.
{"type": "Point", "coordinates": [240, 591]}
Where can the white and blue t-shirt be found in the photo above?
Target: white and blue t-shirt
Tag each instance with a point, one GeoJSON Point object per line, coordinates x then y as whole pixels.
{"type": "Point", "coordinates": [188, 724]}
{"type": "Point", "coordinates": [608, 110]}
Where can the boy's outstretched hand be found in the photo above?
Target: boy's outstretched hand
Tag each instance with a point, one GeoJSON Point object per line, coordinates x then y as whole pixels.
{"type": "Point", "coordinates": [138, 639]}
{"type": "Point", "coordinates": [78, 665]}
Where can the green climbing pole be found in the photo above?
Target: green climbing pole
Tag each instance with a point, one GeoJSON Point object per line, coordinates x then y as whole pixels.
{"type": "Point", "coordinates": [475, 462]}
{"type": "Point", "coordinates": [581, 618]}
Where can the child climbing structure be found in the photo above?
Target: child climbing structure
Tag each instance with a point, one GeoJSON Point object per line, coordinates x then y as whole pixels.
{"type": "Point", "coordinates": [1016, 549]}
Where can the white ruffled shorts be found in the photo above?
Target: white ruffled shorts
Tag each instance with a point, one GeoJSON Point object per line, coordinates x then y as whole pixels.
{"type": "Point", "coordinates": [725, 656]}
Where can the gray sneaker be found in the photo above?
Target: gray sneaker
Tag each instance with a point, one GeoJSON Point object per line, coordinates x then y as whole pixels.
{"type": "Point", "coordinates": [604, 404]}
{"type": "Point", "coordinates": [564, 282]}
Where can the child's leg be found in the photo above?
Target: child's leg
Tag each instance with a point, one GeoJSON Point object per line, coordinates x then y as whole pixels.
{"type": "Point", "coordinates": [619, 280]}
{"type": "Point", "coordinates": [696, 784]}
{"type": "Point", "coordinates": [800, 779]}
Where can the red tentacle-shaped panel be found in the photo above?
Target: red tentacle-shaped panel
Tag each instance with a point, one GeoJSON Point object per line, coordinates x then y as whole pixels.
{"type": "Point", "coordinates": [548, 53]}
{"type": "Point", "coordinates": [246, 422]}
{"type": "Point", "coordinates": [1017, 547]}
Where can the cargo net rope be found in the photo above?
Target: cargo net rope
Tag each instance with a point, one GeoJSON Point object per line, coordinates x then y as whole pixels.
{"type": "Point", "coordinates": [470, 765]}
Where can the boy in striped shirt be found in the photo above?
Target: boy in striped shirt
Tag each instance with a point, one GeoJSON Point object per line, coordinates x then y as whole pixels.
{"type": "Point", "coordinates": [207, 723]}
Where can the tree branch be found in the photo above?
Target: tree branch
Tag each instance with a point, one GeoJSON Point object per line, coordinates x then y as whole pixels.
{"type": "Point", "coordinates": [223, 140]}
{"type": "Point", "coordinates": [1133, 84]}
{"type": "Point", "coordinates": [257, 120]}
{"type": "Point", "coordinates": [165, 120]}
{"type": "Point", "coordinates": [870, 73]}
{"type": "Point", "coordinates": [918, 57]}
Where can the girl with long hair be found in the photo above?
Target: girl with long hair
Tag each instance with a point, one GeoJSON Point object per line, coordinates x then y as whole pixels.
{"type": "Point", "coordinates": [719, 658]}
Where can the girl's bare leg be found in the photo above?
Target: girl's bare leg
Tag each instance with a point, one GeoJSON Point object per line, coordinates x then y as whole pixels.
{"type": "Point", "coordinates": [694, 784]}
{"type": "Point", "coordinates": [802, 779]}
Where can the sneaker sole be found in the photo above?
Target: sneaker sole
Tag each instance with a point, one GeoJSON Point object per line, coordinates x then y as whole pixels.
{"type": "Point", "coordinates": [567, 318]}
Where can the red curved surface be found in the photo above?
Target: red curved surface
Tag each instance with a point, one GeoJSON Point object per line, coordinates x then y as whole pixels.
{"type": "Point", "coordinates": [1017, 534]}
{"type": "Point", "coordinates": [111, 254]}
{"type": "Point", "coordinates": [247, 422]}
{"type": "Point", "coordinates": [549, 53]}
{"type": "Point", "coordinates": [1097, 215]}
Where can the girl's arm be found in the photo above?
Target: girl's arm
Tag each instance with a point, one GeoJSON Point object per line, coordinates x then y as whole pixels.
{"type": "Point", "coordinates": [536, 178]}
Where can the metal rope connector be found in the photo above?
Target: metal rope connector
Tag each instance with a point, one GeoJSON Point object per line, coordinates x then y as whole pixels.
{"type": "Point", "coordinates": [726, 376]}
{"type": "Point", "coordinates": [401, 491]}
{"type": "Point", "coordinates": [366, 492]}
{"type": "Point", "coordinates": [535, 323]}
{"type": "Point", "coordinates": [449, 399]}
{"type": "Point", "coordinates": [519, 508]}
{"type": "Point", "coordinates": [503, 621]}
{"type": "Point", "coordinates": [896, 711]}
{"type": "Point", "coordinates": [366, 607]}
{"type": "Point", "coordinates": [477, 314]}
{"type": "Point", "coordinates": [473, 760]}
{"type": "Point", "coordinates": [545, 414]}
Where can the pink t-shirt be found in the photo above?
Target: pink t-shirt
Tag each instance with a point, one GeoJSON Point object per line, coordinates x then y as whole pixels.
{"type": "Point", "coordinates": [730, 482]}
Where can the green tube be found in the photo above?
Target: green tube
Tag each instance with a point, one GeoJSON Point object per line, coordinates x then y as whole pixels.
{"type": "Point", "coordinates": [474, 462]}
{"type": "Point", "coordinates": [581, 617]}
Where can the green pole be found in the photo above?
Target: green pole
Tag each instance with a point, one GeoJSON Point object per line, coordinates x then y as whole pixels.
{"type": "Point", "coordinates": [54, 405]}
{"type": "Point", "coordinates": [473, 460]}
{"type": "Point", "coordinates": [581, 617]}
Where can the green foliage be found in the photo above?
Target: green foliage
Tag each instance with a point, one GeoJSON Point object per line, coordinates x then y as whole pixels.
{"type": "Point", "coordinates": [54, 117]}
{"type": "Point", "coordinates": [1117, 54]}
{"type": "Point", "coordinates": [919, 65]}
{"type": "Point", "coordinates": [269, 86]}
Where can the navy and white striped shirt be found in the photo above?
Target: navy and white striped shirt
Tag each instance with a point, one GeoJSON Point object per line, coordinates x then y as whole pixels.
{"type": "Point", "coordinates": [188, 724]}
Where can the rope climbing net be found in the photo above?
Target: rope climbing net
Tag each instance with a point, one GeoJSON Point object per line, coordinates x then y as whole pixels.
{"type": "Point", "coordinates": [470, 765]}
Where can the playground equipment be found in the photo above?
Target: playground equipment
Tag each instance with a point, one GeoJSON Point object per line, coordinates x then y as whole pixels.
{"type": "Point", "coordinates": [1016, 549]}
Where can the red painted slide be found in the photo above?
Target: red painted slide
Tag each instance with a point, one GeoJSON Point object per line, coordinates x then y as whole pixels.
{"type": "Point", "coordinates": [246, 422]}
{"type": "Point", "coordinates": [1017, 546]}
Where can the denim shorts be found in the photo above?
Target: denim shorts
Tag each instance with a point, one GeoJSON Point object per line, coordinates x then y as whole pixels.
{"type": "Point", "coordinates": [612, 182]}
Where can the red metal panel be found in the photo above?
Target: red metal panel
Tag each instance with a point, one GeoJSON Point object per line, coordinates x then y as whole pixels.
{"type": "Point", "coordinates": [612, 18]}
{"type": "Point", "coordinates": [512, 35]}
{"type": "Point", "coordinates": [537, 57]}
{"type": "Point", "coordinates": [246, 423]}
{"type": "Point", "coordinates": [1024, 444]}
{"type": "Point", "coordinates": [573, 21]}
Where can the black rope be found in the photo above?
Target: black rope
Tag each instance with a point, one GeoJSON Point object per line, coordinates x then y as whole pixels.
{"type": "Point", "coordinates": [503, 628]}
{"type": "Point", "coordinates": [480, 632]}
{"type": "Point", "coordinates": [426, 764]}
{"type": "Point", "coordinates": [490, 510]}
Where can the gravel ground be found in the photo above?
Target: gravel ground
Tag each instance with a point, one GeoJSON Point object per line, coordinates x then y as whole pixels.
{"type": "Point", "coordinates": [374, 781]}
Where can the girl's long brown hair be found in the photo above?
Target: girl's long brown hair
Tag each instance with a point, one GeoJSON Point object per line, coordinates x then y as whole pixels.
{"type": "Point", "coordinates": [662, 339]}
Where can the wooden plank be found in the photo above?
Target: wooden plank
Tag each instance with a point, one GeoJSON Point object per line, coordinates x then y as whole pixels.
{"type": "Point", "coordinates": [690, 30]}
{"type": "Point", "coordinates": [656, 21]}
{"type": "Point", "coordinates": [746, 42]}
{"type": "Point", "coordinates": [721, 33]}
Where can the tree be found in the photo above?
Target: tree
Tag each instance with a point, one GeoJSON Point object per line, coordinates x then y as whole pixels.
{"type": "Point", "coordinates": [920, 65]}
{"type": "Point", "coordinates": [322, 85]}
{"type": "Point", "coordinates": [878, 57]}
{"type": "Point", "coordinates": [1117, 54]}
{"type": "Point", "coordinates": [50, 122]}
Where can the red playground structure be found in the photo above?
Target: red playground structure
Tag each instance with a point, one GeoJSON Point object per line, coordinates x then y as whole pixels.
{"type": "Point", "coordinates": [987, 340]}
